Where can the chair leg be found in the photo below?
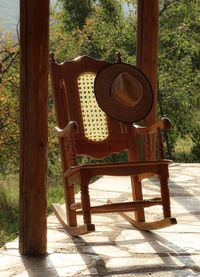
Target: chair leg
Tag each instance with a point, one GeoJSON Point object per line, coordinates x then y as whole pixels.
{"type": "Point", "coordinates": [85, 199]}
{"type": "Point", "coordinates": [165, 193]}
{"type": "Point", "coordinates": [70, 199]}
{"type": "Point", "coordinates": [137, 195]}
{"type": "Point", "coordinates": [70, 224]}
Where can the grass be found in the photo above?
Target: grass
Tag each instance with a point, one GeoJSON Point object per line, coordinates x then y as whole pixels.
{"type": "Point", "coordinates": [9, 205]}
{"type": "Point", "coordinates": [183, 151]}
{"type": "Point", "coordinates": [55, 195]}
{"type": "Point", "coordinates": [184, 145]}
{"type": "Point", "coordinates": [9, 212]}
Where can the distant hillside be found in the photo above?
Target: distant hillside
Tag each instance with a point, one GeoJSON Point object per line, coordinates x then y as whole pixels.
{"type": "Point", "coordinates": [9, 14]}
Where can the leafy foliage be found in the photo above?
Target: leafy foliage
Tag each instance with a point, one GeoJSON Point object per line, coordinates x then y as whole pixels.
{"type": "Point", "coordinates": [100, 36]}
{"type": "Point", "coordinates": [9, 116]}
{"type": "Point", "coordinates": [179, 60]}
{"type": "Point", "coordinates": [99, 29]}
{"type": "Point", "coordinates": [75, 13]}
{"type": "Point", "coordinates": [196, 141]}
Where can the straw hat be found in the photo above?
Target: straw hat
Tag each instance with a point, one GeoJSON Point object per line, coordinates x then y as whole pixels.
{"type": "Point", "coordinates": [123, 92]}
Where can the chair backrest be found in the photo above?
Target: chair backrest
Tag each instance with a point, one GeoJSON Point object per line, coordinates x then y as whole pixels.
{"type": "Point", "coordinates": [73, 89]}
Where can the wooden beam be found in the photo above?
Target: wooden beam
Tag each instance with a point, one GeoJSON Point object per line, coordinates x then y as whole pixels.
{"type": "Point", "coordinates": [34, 33]}
{"type": "Point", "coordinates": [146, 60]}
{"type": "Point", "coordinates": [147, 40]}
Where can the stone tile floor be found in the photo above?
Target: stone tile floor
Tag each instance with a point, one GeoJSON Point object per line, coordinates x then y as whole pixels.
{"type": "Point", "coordinates": [117, 248]}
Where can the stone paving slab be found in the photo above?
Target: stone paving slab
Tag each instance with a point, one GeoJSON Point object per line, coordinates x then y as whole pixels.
{"type": "Point", "coordinates": [117, 248]}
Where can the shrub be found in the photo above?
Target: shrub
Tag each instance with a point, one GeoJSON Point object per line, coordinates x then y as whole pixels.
{"type": "Point", "coordinates": [196, 140]}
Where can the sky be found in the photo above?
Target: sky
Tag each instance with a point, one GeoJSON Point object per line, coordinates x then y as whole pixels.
{"type": "Point", "coordinates": [9, 14]}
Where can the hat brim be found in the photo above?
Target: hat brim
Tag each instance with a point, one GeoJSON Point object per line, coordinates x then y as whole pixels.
{"type": "Point", "coordinates": [112, 107]}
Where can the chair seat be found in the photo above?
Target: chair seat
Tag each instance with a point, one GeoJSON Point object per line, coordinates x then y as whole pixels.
{"type": "Point", "coordinates": [119, 169]}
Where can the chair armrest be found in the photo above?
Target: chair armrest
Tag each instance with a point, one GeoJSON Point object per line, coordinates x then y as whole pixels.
{"type": "Point", "coordinates": [164, 124]}
{"type": "Point", "coordinates": [70, 129]}
{"type": "Point", "coordinates": [67, 143]}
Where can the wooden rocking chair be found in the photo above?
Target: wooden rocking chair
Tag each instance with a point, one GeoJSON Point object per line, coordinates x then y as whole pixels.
{"type": "Point", "coordinates": [84, 129]}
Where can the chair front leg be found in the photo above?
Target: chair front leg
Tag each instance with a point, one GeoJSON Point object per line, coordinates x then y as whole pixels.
{"type": "Point", "coordinates": [165, 193]}
{"type": "Point", "coordinates": [85, 200]}
{"type": "Point", "coordinates": [69, 199]}
{"type": "Point", "coordinates": [137, 195]}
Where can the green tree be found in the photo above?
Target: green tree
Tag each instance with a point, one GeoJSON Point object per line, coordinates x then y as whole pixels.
{"type": "Point", "coordinates": [105, 30]}
{"type": "Point", "coordinates": [179, 60]}
{"type": "Point", "coordinates": [75, 13]}
{"type": "Point", "coordinates": [9, 103]}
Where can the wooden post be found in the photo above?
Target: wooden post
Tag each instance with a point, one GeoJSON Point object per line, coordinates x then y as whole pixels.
{"type": "Point", "coordinates": [34, 33]}
{"type": "Point", "coordinates": [147, 39]}
{"type": "Point", "coordinates": [146, 60]}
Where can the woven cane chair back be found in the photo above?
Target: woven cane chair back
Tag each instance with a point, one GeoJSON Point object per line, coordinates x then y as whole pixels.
{"type": "Point", "coordinates": [99, 135]}
{"type": "Point", "coordinates": [94, 119]}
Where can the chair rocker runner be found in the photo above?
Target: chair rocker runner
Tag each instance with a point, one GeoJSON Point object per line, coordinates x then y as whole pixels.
{"type": "Point", "coordinates": [83, 128]}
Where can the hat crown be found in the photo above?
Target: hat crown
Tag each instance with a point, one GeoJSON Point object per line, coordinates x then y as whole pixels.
{"type": "Point", "coordinates": [126, 90]}
{"type": "Point", "coordinates": [123, 92]}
